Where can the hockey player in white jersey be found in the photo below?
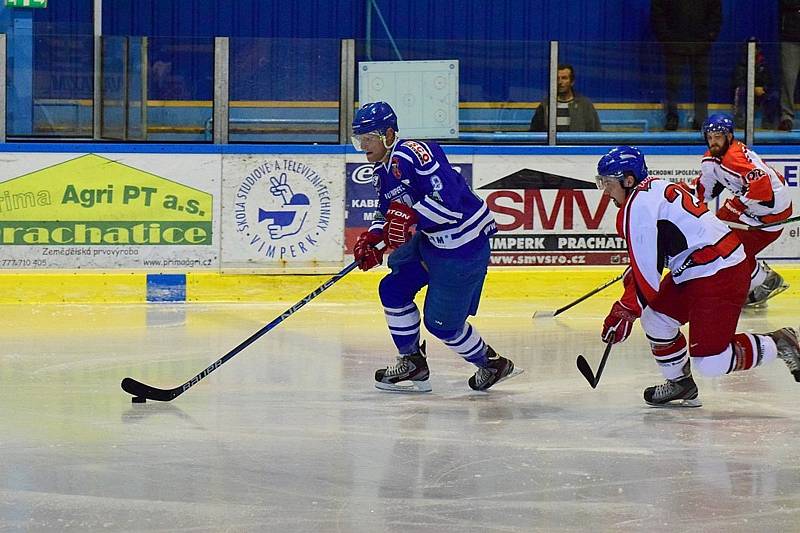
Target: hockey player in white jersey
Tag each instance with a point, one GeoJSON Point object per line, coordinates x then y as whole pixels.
{"type": "Point", "coordinates": [665, 226]}
{"type": "Point", "coordinates": [417, 187]}
{"type": "Point", "coordinates": [760, 196]}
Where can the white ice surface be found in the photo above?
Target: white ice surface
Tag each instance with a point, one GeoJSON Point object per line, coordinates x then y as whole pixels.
{"type": "Point", "coordinates": [291, 436]}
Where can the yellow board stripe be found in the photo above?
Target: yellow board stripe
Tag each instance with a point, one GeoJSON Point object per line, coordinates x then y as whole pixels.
{"type": "Point", "coordinates": [560, 286]}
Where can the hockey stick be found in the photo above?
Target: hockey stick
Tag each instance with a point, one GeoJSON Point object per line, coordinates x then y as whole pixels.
{"type": "Point", "coordinates": [607, 284]}
{"type": "Point", "coordinates": [586, 370]}
{"type": "Point", "coordinates": [737, 225]}
{"type": "Point", "coordinates": [140, 391]}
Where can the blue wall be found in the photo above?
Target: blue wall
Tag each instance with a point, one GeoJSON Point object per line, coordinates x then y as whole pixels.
{"type": "Point", "coordinates": [511, 67]}
{"type": "Point", "coordinates": [543, 20]}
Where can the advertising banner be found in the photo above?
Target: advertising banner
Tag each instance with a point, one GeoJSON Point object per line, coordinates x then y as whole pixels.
{"type": "Point", "coordinates": [108, 211]}
{"type": "Point", "coordinates": [282, 211]}
{"type": "Point", "coordinates": [186, 211]}
{"type": "Point", "coordinates": [549, 211]}
{"type": "Point", "coordinates": [788, 245]}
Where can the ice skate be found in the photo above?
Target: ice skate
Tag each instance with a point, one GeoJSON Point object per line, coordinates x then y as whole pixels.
{"type": "Point", "coordinates": [682, 391]}
{"type": "Point", "coordinates": [499, 369]}
{"type": "Point", "coordinates": [772, 286]}
{"type": "Point", "coordinates": [409, 374]}
{"type": "Point", "coordinates": [788, 349]}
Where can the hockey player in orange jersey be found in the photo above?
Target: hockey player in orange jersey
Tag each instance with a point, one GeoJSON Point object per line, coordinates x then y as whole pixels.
{"type": "Point", "coordinates": [709, 274]}
{"type": "Point", "coordinates": [760, 196]}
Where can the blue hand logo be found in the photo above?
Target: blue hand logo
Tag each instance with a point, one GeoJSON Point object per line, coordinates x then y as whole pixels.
{"type": "Point", "coordinates": [289, 220]}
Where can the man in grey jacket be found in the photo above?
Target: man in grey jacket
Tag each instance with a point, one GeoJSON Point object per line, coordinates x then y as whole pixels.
{"type": "Point", "coordinates": [574, 112]}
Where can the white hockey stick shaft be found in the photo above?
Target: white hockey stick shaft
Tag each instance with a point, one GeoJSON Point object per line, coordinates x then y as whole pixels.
{"type": "Point", "coordinates": [739, 225]}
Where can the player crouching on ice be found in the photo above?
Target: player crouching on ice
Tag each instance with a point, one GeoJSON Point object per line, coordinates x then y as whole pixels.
{"type": "Point", "coordinates": [449, 252]}
{"type": "Point", "coordinates": [665, 226]}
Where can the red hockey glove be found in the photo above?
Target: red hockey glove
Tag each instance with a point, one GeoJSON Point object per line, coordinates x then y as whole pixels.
{"type": "Point", "coordinates": [399, 219]}
{"type": "Point", "coordinates": [731, 210]}
{"type": "Point", "coordinates": [618, 324]}
{"type": "Point", "coordinates": [365, 252]}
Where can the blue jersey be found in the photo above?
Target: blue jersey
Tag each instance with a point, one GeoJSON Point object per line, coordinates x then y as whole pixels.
{"type": "Point", "coordinates": [450, 215]}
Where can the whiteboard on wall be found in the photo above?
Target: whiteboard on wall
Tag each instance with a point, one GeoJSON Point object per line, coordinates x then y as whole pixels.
{"type": "Point", "coordinates": [424, 94]}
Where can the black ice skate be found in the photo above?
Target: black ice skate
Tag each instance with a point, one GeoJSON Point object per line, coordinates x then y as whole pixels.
{"type": "Point", "coordinates": [499, 368]}
{"type": "Point", "coordinates": [682, 391]}
{"type": "Point", "coordinates": [772, 286]}
{"type": "Point", "coordinates": [788, 349]}
{"type": "Point", "coordinates": [409, 374]}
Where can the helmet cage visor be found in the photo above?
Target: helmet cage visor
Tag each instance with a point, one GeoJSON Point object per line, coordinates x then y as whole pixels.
{"type": "Point", "coordinates": [717, 123]}
{"type": "Point", "coordinates": [360, 139]}
{"type": "Point", "coordinates": [718, 129]}
{"type": "Point", "coordinates": [603, 180]}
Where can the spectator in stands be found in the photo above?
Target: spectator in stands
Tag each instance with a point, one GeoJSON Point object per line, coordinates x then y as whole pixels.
{"type": "Point", "coordinates": [790, 59]}
{"type": "Point", "coordinates": [766, 96]}
{"type": "Point", "coordinates": [165, 84]}
{"type": "Point", "coordinates": [574, 112]}
{"type": "Point", "coordinates": [686, 28]}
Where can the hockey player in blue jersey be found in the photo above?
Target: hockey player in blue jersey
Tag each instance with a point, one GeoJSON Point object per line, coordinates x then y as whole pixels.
{"type": "Point", "coordinates": [449, 252]}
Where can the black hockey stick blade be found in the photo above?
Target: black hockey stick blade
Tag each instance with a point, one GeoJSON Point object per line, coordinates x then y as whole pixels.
{"type": "Point", "coordinates": [583, 368]}
{"type": "Point", "coordinates": [586, 370]}
{"type": "Point", "coordinates": [140, 390]}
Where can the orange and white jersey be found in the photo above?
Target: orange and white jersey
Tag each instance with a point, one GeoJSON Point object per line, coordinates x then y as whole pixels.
{"type": "Point", "coordinates": [760, 188]}
{"type": "Point", "coordinates": [665, 226]}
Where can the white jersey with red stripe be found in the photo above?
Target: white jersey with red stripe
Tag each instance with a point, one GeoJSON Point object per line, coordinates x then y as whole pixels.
{"type": "Point", "coordinates": [665, 226]}
{"type": "Point", "coordinates": [760, 189]}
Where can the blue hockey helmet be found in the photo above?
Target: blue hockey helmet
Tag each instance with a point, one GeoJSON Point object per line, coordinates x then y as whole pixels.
{"type": "Point", "coordinates": [375, 116]}
{"type": "Point", "coordinates": [620, 161]}
{"type": "Point", "coordinates": [718, 122]}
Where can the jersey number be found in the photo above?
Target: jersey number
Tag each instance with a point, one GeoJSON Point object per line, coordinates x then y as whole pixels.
{"type": "Point", "coordinates": [688, 200]}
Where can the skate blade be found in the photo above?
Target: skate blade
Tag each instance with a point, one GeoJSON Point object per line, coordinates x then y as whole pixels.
{"type": "Point", "coordinates": [777, 291]}
{"type": "Point", "coordinates": [514, 373]}
{"type": "Point", "coordinates": [763, 303]}
{"type": "Point", "coordinates": [677, 404]}
{"type": "Point", "coordinates": [405, 387]}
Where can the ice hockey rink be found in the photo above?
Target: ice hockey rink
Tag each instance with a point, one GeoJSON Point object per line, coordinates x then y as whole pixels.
{"type": "Point", "coordinates": [291, 436]}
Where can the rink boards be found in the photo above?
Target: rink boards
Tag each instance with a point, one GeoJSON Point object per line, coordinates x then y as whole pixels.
{"type": "Point", "coordinates": [132, 223]}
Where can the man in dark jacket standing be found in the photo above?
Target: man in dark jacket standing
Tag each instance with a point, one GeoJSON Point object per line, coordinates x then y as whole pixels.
{"type": "Point", "coordinates": [574, 112]}
{"type": "Point", "coordinates": [790, 59]}
{"type": "Point", "coordinates": [686, 28]}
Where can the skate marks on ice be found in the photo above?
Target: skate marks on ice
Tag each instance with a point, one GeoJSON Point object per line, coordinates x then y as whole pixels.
{"type": "Point", "coordinates": [293, 436]}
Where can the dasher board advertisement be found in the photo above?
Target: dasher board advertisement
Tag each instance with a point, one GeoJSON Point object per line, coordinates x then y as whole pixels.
{"type": "Point", "coordinates": [282, 211]}
{"type": "Point", "coordinates": [141, 211]}
{"type": "Point", "coordinates": [550, 213]}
